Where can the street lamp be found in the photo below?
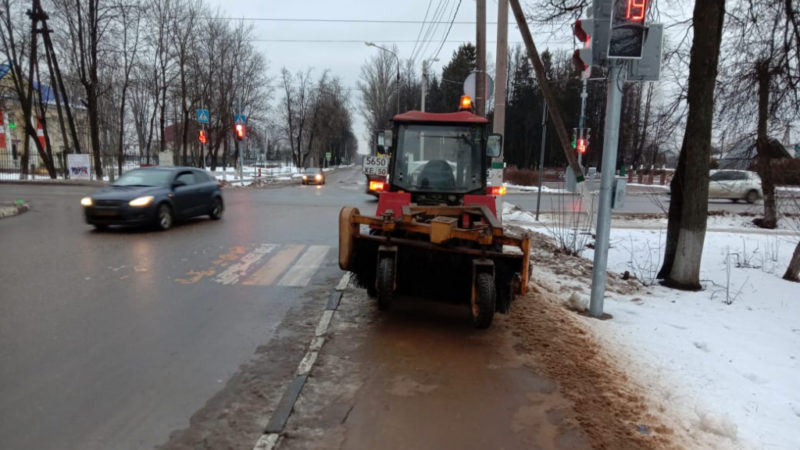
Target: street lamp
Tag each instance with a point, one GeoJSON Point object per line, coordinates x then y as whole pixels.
{"type": "Point", "coordinates": [372, 44]}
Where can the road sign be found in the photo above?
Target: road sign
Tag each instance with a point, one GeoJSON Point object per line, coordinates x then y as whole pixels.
{"type": "Point", "coordinates": [240, 118]}
{"type": "Point", "coordinates": [202, 115]}
{"type": "Point", "coordinates": [649, 67]}
{"type": "Point", "coordinates": [328, 156]}
{"type": "Point", "coordinates": [470, 82]}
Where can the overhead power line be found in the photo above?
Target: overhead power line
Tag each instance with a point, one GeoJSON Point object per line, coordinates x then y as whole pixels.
{"type": "Point", "coordinates": [378, 41]}
{"type": "Point", "coordinates": [384, 21]}
{"type": "Point", "coordinates": [448, 30]}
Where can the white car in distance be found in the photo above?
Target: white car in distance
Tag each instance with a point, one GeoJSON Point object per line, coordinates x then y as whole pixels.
{"type": "Point", "coordinates": [735, 185]}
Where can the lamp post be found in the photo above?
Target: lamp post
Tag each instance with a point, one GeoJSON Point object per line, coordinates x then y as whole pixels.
{"type": "Point", "coordinates": [372, 44]}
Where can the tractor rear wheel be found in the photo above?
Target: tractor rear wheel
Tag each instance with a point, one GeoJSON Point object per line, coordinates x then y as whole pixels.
{"type": "Point", "coordinates": [483, 302]}
{"type": "Point", "coordinates": [384, 282]}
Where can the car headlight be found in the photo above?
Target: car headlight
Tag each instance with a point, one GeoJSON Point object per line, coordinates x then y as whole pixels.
{"type": "Point", "coordinates": [305, 178]}
{"type": "Point", "coordinates": [87, 201]}
{"type": "Point", "coordinates": [141, 201]}
{"type": "Point", "coordinates": [318, 177]}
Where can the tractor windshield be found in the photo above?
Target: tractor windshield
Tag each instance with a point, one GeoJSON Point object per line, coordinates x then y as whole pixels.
{"type": "Point", "coordinates": [439, 158]}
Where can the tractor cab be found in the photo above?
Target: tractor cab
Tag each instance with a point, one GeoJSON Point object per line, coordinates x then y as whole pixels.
{"type": "Point", "coordinates": [438, 158]}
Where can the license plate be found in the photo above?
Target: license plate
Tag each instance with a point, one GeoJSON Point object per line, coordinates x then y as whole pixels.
{"type": "Point", "coordinates": [106, 212]}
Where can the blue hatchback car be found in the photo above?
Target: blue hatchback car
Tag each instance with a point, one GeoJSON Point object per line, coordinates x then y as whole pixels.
{"type": "Point", "coordinates": [155, 196]}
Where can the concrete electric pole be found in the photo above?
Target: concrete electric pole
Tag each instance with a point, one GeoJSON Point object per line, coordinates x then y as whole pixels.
{"type": "Point", "coordinates": [480, 43]}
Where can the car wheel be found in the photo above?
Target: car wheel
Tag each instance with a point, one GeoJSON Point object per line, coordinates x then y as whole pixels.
{"type": "Point", "coordinates": [216, 209]}
{"type": "Point", "coordinates": [164, 217]}
{"type": "Point", "coordinates": [752, 196]}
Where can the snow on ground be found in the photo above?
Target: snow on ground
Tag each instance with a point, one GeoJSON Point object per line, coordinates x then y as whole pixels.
{"type": "Point", "coordinates": [724, 360]}
{"type": "Point", "coordinates": [545, 189]}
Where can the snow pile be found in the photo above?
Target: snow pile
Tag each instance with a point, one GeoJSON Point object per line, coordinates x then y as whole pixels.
{"type": "Point", "coordinates": [726, 359]}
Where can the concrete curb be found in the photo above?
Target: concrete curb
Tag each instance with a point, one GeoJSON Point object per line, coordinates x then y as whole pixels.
{"type": "Point", "coordinates": [13, 210]}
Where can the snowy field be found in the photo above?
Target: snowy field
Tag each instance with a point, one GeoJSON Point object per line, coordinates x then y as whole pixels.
{"type": "Point", "coordinates": [724, 360]}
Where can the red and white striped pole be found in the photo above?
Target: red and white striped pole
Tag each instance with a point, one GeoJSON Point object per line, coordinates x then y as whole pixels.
{"type": "Point", "coordinates": [3, 145]}
{"type": "Point", "coordinates": [40, 132]}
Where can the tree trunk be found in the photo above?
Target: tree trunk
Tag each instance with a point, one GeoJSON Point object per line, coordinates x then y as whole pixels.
{"type": "Point", "coordinates": [793, 271]}
{"type": "Point", "coordinates": [689, 204]}
{"type": "Point", "coordinates": [94, 128]}
{"type": "Point", "coordinates": [763, 164]}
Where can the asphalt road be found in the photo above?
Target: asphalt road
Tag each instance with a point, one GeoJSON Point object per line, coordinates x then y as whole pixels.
{"type": "Point", "coordinates": [114, 339]}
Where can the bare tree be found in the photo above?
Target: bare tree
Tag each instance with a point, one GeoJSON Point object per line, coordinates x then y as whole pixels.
{"type": "Point", "coordinates": [184, 25]}
{"type": "Point", "coordinates": [763, 66]}
{"type": "Point", "coordinates": [377, 92]}
{"type": "Point", "coordinates": [296, 109]}
{"type": "Point", "coordinates": [688, 209]}
{"type": "Point", "coordinates": [86, 23]}
{"type": "Point", "coordinates": [129, 19]}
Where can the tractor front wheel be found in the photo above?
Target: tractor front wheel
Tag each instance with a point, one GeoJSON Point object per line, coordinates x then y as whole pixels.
{"type": "Point", "coordinates": [384, 282]}
{"type": "Point", "coordinates": [483, 300]}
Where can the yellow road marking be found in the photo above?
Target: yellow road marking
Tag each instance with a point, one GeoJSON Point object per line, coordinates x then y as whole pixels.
{"type": "Point", "coordinates": [195, 276]}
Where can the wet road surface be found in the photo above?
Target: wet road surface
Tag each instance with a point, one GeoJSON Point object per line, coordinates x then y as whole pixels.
{"type": "Point", "coordinates": [114, 339]}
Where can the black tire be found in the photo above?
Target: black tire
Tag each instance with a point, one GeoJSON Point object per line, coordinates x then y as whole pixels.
{"type": "Point", "coordinates": [164, 217]}
{"type": "Point", "coordinates": [751, 196]}
{"type": "Point", "coordinates": [100, 226]}
{"type": "Point", "coordinates": [483, 305]}
{"type": "Point", "coordinates": [384, 282]}
{"type": "Point", "coordinates": [217, 208]}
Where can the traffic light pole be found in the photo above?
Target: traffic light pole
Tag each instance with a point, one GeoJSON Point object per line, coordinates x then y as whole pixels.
{"type": "Point", "coordinates": [582, 119]}
{"type": "Point", "coordinates": [610, 142]}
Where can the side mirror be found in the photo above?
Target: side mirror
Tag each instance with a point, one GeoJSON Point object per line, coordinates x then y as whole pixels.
{"type": "Point", "coordinates": [494, 145]}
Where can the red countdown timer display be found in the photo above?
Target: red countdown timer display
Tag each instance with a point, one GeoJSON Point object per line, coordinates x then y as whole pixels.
{"type": "Point", "coordinates": [636, 10]}
{"type": "Point", "coordinates": [627, 29]}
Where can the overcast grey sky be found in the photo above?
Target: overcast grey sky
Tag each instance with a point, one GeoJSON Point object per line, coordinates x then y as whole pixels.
{"type": "Point", "coordinates": [339, 46]}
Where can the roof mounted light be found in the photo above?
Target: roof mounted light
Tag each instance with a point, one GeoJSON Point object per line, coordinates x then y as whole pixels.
{"type": "Point", "coordinates": [465, 104]}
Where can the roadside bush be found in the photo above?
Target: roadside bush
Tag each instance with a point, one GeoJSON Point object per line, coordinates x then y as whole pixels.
{"type": "Point", "coordinates": [521, 177]}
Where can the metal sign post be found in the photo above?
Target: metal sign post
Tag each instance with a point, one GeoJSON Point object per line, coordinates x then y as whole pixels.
{"type": "Point", "coordinates": [610, 142]}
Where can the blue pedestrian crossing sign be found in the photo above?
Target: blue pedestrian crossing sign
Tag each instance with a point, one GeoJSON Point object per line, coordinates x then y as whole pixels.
{"type": "Point", "coordinates": [240, 118]}
{"type": "Point", "coordinates": [202, 115]}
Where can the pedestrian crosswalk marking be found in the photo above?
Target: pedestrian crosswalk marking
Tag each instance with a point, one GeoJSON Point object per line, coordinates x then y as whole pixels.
{"type": "Point", "coordinates": [236, 271]}
{"type": "Point", "coordinates": [300, 274]}
{"type": "Point", "coordinates": [262, 265]}
{"type": "Point", "coordinates": [274, 267]}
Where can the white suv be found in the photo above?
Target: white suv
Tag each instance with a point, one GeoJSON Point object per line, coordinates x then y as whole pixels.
{"type": "Point", "coordinates": [735, 185]}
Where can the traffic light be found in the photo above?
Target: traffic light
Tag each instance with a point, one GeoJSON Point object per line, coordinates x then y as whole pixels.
{"type": "Point", "coordinates": [581, 146]}
{"type": "Point", "coordinates": [202, 137]}
{"type": "Point", "coordinates": [239, 130]}
{"type": "Point", "coordinates": [627, 28]}
{"type": "Point", "coordinates": [583, 30]}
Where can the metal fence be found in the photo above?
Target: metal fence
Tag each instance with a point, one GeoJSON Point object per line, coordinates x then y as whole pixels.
{"type": "Point", "coordinates": [11, 169]}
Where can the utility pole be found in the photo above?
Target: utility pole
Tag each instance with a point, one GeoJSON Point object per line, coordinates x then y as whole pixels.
{"type": "Point", "coordinates": [501, 69]}
{"type": "Point", "coordinates": [541, 156]}
{"type": "Point", "coordinates": [424, 83]}
{"type": "Point", "coordinates": [480, 43]}
{"type": "Point", "coordinates": [547, 92]}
